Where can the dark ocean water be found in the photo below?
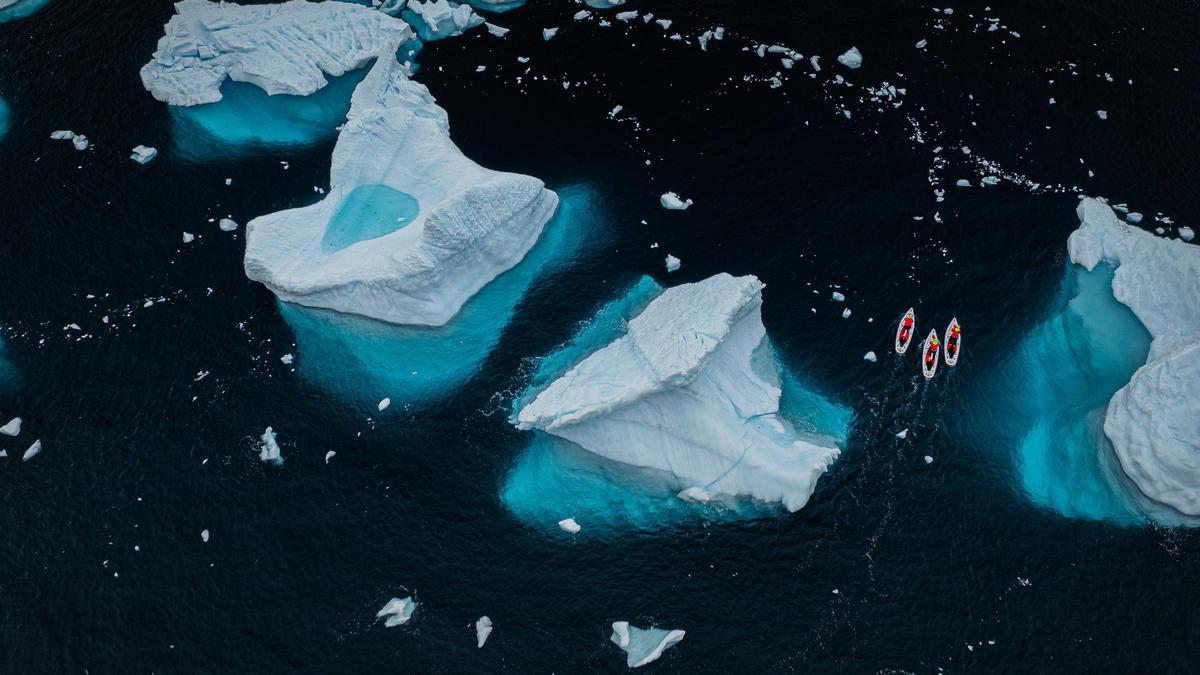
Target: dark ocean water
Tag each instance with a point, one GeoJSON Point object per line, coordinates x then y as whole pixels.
{"type": "Point", "coordinates": [894, 564]}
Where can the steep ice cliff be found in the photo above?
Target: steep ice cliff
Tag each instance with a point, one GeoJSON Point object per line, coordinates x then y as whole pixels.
{"type": "Point", "coordinates": [1154, 421]}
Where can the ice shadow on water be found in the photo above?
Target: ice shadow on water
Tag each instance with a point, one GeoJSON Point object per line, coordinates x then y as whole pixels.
{"type": "Point", "coordinates": [553, 478]}
{"type": "Point", "coordinates": [364, 360]}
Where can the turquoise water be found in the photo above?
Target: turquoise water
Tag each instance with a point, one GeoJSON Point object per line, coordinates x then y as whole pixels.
{"type": "Point", "coordinates": [246, 117]}
{"type": "Point", "coordinates": [364, 360]}
{"type": "Point", "coordinates": [369, 212]}
{"type": "Point", "coordinates": [554, 479]}
{"type": "Point", "coordinates": [3, 118]}
{"type": "Point", "coordinates": [1055, 389]}
{"type": "Point", "coordinates": [21, 10]}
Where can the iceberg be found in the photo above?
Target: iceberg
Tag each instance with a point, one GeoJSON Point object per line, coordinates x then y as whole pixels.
{"type": "Point", "coordinates": [32, 451]}
{"type": "Point", "coordinates": [673, 263]}
{"type": "Point", "coordinates": [483, 628]}
{"type": "Point", "coordinates": [143, 154]}
{"type": "Point", "coordinates": [569, 525]}
{"type": "Point", "coordinates": [643, 645]}
{"type": "Point", "coordinates": [852, 59]}
{"type": "Point", "coordinates": [410, 228]}
{"type": "Point", "coordinates": [686, 395]}
{"type": "Point", "coordinates": [13, 428]}
{"type": "Point", "coordinates": [1151, 421]}
{"type": "Point", "coordinates": [672, 202]}
{"type": "Point", "coordinates": [439, 19]}
{"type": "Point", "coordinates": [268, 450]}
{"type": "Point", "coordinates": [397, 612]}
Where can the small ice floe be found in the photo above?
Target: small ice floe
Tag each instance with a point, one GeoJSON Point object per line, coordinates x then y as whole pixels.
{"type": "Point", "coordinates": [143, 154]}
{"type": "Point", "coordinates": [32, 451]}
{"type": "Point", "coordinates": [227, 225]}
{"type": "Point", "coordinates": [62, 135]}
{"type": "Point", "coordinates": [287, 359]}
{"type": "Point", "coordinates": [13, 427]}
{"type": "Point", "coordinates": [870, 356]}
{"type": "Point", "coordinates": [696, 495]}
{"type": "Point", "coordinates": [852, 59]}
{"type": "Point", "coordinates": [204, 536]}
{"type": "Point", "coordinates": [397, 612]}
{"type": "Point", "coordinates": [383, 405]}
{"type": "Point", "coordinates": [703, 40]}
{"type": "Point", "coordinates": [569, 525]}
{"type": "Point", "coordinates": [838, 297]}
{"type": "Point", "coordinates": [665, 23]}
{"type": "Point", "coordinates": [816, 62]}
{"type": "Point", "coordinates": [188, 237]}
{"type": "Point", "coordinates": [921, 43]}
{"type": "Point", "coordinates": [672, 202]}
{"type": "Point", "coordinates": [1186, 233]}
{"type": "Point", "coordinates": [928, 459]}
{"type": "Point", "coordinates": [498, 31]}
{"type": "Point", "coordinates": [962, 182]}
{"type": "Point", "coordinates": [627, 16]}
{"type": "Point", "coordinates": [1133, 217]}
{"type": "Point", "coordinates": [846, 313]}
{"type": "Point", "coordinates": [581, 15]}
{"type": "Point", "coordinates": [269, 450]}
{"type": "Point", "coordinates": [1102, 114]}
{"type": "Point", "coordinates": [673, 263]}
{"type": "Point", "coordinates": [990, 180]}
{"type": "Point", "coordinates": [483, 628]}
{"type": "Point", "coordinates": [80, 142]}
{"type": "Point", "coordinates": [643, 645]}
{"type": "Point", "coordinates": [549, 33]}
{"type": "Point", "coordinates": [902, 434]}
{"type": "Point", "coordinates": [480, 69]}
{"type": "Point", "coordinates": [329, 455]}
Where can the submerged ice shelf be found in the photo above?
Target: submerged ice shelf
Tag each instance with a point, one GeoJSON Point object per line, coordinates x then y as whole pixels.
{"type": "Point", "coordinates": [1108, 431]}
{"type": "Point", "coordinates": [4, 115]}
{"type": "Point", "coordinates": [363, 359]}
{"type": "Point", "coordinates": [663, 393]}
{"type": "Point", "coordinates": [11, 10]}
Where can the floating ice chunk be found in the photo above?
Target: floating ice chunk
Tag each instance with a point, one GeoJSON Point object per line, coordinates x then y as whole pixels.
{"type": "Point", "coordinates": [397, 612]}
{"type": "Point", "coordinates": [569, 525]}
{"type": "Point", "coordinates": [498, 31]}
{"type": "Point", "coordinates": [703, 40]}
{"type": "Point", "coordinates": [643, 645]}
{"type": "Point", "coordinates": [627, 16]}
{"type": "Point", "coordinates": [285, 48]}
{"type": "Point", "coordinates": [990, 180]}
{"type": "Point", "coordinates": [1186, 233]}
{"type": "Point", "coordinates": [463, 224]}
{"type": "Point", "coordinates": [665, 23]}
{"type": "Point", "coordinates": [1133, 217]}
{"type": "Point", "coordinates": [581, 15]}
{"type": "Point", "coordinates": [921, 44]}
{"type": "Point", "coordinates": [846, 313]}
{"type": "Point", "coordinates": [549, 33]}
{"type": "Point", "coordinates": [329, 455]}
{"type": "Point", "coordinates": [80, 142]}
{"type": "Point", "coordinates": [383, 405]}
{"type": "Point", "coordinates": [438, 19]}
{"type": "Point", "coordinates": [816, 62]}
{"type": "Point", "coordinates": [188, 237]}
{"type": "Point", "coordinates": [227, 225]}
{"type": "Point", "coordinates": [32, 451]}
{"type": "Point", "coordinates": [1102, 114]}
{"type": "Point", "coordinates": [689, 391]}
{"type": "Point", "coordinates": [928, 459]}
{"type": "Point", "coordinates": [287, 359]}
{"type": "Point", "coordinates": [204, 536]}
{"type": "Point", "coordinates": [673, 263]}
{"type": "Point", "coordinates": [269, 448]}
{"type": "Point", "coordinates": [962, 182]}
{"type": "Point", "coordinates": [483, 628]}
{"type": "Point", "coordinates": [672, 202]}
{"type": "Point", "coordinates": [870, 356]}
{"type": "Point", "coordinates": [13, 428]}
{"type": "Point", "coordinates": [903, 434]}
{"type": "Point", "coordinates": [62, 135]}
{"type": "Point", "coordinates": [696, 495]}
{"type": "Point", "coordinates": [143, 154]}
{"type": "Point", "coordinates": [838, 297]}
{"type": "Point", "coordinates": [852, 59]}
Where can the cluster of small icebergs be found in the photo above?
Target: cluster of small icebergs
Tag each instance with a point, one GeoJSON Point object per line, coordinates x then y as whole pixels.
{"type": "Point", "coordinates": [12, 429]}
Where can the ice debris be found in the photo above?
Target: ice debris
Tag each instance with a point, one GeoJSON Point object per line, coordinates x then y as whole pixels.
{"type": "Point", "coordinates": [483, 628]}
{"type": "Point", "coordinates": [643, 645]}
{"type": "Point", "coordinates": [673, 263]}
{"type": "Point", "coordinates": [397, 612]}
{"type": "Point", "coordinates": [269, 448]}
{"type": "Point", "coordinates": [852, 59]}
{"type": "Point", "coordinates": [671, 201]}
{"type": "Point", "coordinates": [13, 428]}
{"type": "Point", "coordinates": [143, 154]}
{"type": "Point", "coordinates": [32, 451]}
{"type": "Point", "coordinates": [569, 525]}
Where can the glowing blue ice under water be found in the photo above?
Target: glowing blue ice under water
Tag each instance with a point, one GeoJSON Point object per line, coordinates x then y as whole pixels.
{"type": "Point", "coordinates": [22, 9]}
{"type": "Point", "coordinates": [10, 377]}
{"type": "Point", "coordinates": [247, 118]}
{"type": "Point", "coordinates": [3, 118]}
{"type": "Point", "coordinates": [554, 479]}
{"type": "Point", "coordinates": [369, 212]}
{"type": "Point", "coordinates": [1053, 392]}
{"type": "Point", "coordinates": [365, 360]}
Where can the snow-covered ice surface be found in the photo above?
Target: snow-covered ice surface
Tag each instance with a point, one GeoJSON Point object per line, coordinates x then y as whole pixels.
{"type": "Point", "coordinates": [472, 225]}
{"type": "Point", "coordinates": [397, 612]}
{"type": "Point", "coordinates": [440, 19]}
{"type": "Point", "coordinates": [665, 391]}
{"type": "Point", "coordinates": [259, 74]}
{"type": "Point", "coordinates": [643, 645]}
{"type": "Point", "coordinates": [268, 447]}
{"type": "Point", "coordinates": [358, 358]}
{"type": "Point", "coordinates": [11, 10]}
{"type": "Point", "coordinates": [1153, 422]}
{"type": "Point", "coordinates": [483, 628]}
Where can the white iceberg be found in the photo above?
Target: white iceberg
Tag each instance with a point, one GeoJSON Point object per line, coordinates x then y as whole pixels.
{"type": "Point", "coordinates": [671, 201]}
{"type": "Point", "coordinates": [268, 450]}
{"type": "Point", "coordinates": [549, 33]}
{"type": "Point", "coordinates": [439, 226]}
{"type": "Point", "coordinates": [13, 428]}
{"type": "Point", "coordinates": [870, 356]}
{"type": "Point", "coordinates": [569, 525]}
{"type": "Point", "coordinates": [438, 19]}
{"type": "Point", "coordinates": [691, 392]}
{"type": "Point", "coordinates": [143, 154]}
{"type": "Point", "coordinates": [285, 48]}
{"type": "Point", "coordinates": [483, 628]}
{"type": "Point", "coordinates": [32, 451]}
{"type": "Point", "coordinates": [852, 59]}
{"type": "Point", "coordinates": [643, 645]}
{"type": "Point", "coordinates": [1186, 233]}
{"type": "Point", "coordinates": [1151, 421]}
{"type": "Point", "coordinates": [204, 536]}
{"type": "Point", "coordinates": [673, 263]}
{"type": "Point", "coordinates": [227, 225]}
{"type": "Point", "coordinates": [397, 612]}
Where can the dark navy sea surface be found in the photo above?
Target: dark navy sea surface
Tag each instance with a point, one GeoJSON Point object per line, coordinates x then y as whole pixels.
{"type": "Point", "coordinates": [962, 563]}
